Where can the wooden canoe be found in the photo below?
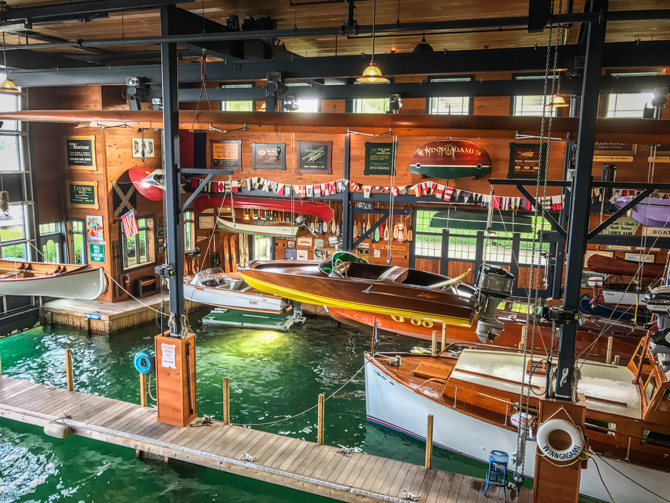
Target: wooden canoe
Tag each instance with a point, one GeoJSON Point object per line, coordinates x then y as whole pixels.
{"type": "Point", "coordinates": [314, 208]}
{"type": "Point", "coordinates": [619, 266]}
{"type": "Point", "coordinates": [64, 281]}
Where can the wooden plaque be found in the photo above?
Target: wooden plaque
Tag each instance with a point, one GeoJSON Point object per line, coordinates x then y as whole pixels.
{"type": "Point", "coordinates": [269, 155]}
{"type": "Point", "coordinates": [227, 154]}
{"type": "Point", "coordinates": [82, 195]}
{"type": "Point", "coordinates": [526, 159]}
{"type": "Point", "coordinates": [612, 151]}
{"type": "Point", "coordinates": [378, 158]}
{"type": "Point", "coordinates": [315, 157]}
{"type": "Point", "coordinates": [80, 152]}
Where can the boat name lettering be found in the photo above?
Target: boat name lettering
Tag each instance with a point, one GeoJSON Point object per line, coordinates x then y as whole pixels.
{"type": "Point", "coordinates": [450, 150]}
{"type": "Point", "coordinates": [561, 456]}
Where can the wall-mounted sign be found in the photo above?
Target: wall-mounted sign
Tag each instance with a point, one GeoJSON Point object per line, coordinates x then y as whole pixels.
{"type": "Point", "coordinates": [305, 242]}
{"type": "Point", "coordinates": [640, 257]}
{"type": "Point", "coordinates": [624, 226]}
{"type": "Point", "coordinates": [525, 160]}
{"type": "Point", "coordinates": [227, 154]}
{"type": "Point", "coordinates": [146, 145]}
{"type": "Point", "coordinates": [95, 232]}
{"type": "Point", "coordinates": [92, 316]}
{"type": "Point", "coordinates": [290, 254]}
{"type": "Point", "coordinates": [318, 242]}
{"type": "Point", "coordinates": [269, 155]}
{"type": "Point", "coordinates": [80, 152]}
{"type": "Point", "coordinates": [206, 222]}
{"type": "Point", "coordinates": [450, 159]}
{"type": "Point", "coordinates": [302, 254]}
{"type": "Point", "coordinates": [619, 248]}
{"type": "Point", "coordinates": [96, 252]}
{"type": "Point", "coordinates": [663, 232]}
{"type": "Point", "coordinates": [378, 159]}
{"type": "Point", "coordinates": [612, 151]}
{"type": "Point", "coordinates": [82, 195]}
{"type": "Point", "coordinates": [315, 157]}
{"type": "Point", "coordinates": [662, 153]}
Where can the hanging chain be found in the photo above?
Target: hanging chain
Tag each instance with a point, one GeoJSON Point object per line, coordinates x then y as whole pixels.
{"type": "Point", "coordinates": [374, 19]}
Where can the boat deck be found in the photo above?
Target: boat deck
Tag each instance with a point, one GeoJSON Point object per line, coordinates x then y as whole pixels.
{"type": "Point", "coordinates": [290, 462]}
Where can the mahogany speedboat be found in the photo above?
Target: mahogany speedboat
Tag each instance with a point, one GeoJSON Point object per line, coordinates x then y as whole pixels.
{"type": "Point", "coordinates": [349, 282]}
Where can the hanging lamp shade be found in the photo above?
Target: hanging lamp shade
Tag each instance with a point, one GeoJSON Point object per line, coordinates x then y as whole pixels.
{"type": "Point", "coordinates": [8, 87]}
{"type": "Point", "coordinates": [423, 46]}
{"type": "Point", "coordinates": [372, 75]}
{"type": "Point", "coordinates": [557, 102]}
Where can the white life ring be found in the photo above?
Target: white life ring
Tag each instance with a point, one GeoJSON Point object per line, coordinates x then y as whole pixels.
{"type": "Point", "coordinates": [576, 437]}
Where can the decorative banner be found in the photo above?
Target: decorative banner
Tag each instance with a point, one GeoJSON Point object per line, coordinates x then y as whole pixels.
{"type": "Point", "coordinates": [96, 252]}
{"type": "Point", "coordinates": [305, 242]}
{"type": "Point", "coordinates": [315, 157]}
{"type": "Point", "coordinates": [449, 159]}
{"type": "Point", "coordinates": [82, 195]}
{"type": "Point", "coordinates": [95, 232]}
{"type": "Point", "coordinates": [80, 152]}
{"type": "Point", "coordinates": [611, 151]}
{"type": "Point", "coordinates": [265, 155]}
{"type": "Point", "coordinates": [148, 147]}
{"type": "Point", "coordinates": [624, 226]}
{"type": "Point", "coordinates": [227, 154]}
{"type": "Point", "coordinates": [662, 153]}
{"type": "Point", "coordinates": [378, 159]}
{"type": "Point", "coordinates": [525, 160]}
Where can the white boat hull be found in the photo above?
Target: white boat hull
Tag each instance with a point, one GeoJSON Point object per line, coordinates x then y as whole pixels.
{"type": "Point", "coordinates": [616, 297]}
{"type": "Point", "coordinates": [86, 285]}
{"type": "Point", "coordinates": [265, 230]}
{"type": "Point", "coordinates": [391, 404]}
{"type": "Point", "coordinates": [233, 299]}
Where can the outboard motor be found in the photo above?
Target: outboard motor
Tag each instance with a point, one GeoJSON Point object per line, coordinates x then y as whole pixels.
{"type": "Point", "coordinates": [658, 302]}
{"type": "Point", "coordinates": [495, 285]}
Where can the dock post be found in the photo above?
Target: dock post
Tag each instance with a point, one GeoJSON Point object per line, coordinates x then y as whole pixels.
{"type": "Point", "coordinates": [143, 390]}
{"type": "Point", "coordinates": [610, 341]}
{"type": "Point", "coordinates": [226, 400]}
{"type": "Point", "coordinates": [433, 349]}
{"type": "Point", "coordinates": [68, 370]}
{"type": "Point", "coordinates": [429, 441]}
{"type": "Point", "coordinates": [616, 360]}
{"type": "Point", "coordinates": [322, 406]}
{"type": "Point", "coordinates": [444, 336]}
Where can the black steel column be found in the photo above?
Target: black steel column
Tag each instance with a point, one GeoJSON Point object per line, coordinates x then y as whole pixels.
{"type": "Point", "coordinates": [347, 215]}
{"type": "Point", "coordinates": [581, 193]}
{"type": "Point", "coordinates": [175, 245]}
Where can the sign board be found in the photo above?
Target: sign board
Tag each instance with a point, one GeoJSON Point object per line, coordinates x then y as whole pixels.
{"type": "Point", "coordinates": [305, 242]}
{"type": "Point", "coordinates": [662, 153]}
{"type": "Point", "coordinates": [318, 242]}
{"type": "Point", "coordinates": [95, 231]}
{"type": "Point", "coordinates": [290, 254]}
{"type": "Point", "coordinates": [640, 257]}
{"type": "Point", "coordinates": [82, 195]}
{"type": "Point", "coordinates": [96, 252]}
{"type": "Point", "coordinates": [168, 356]}
{"type": "Point", "coordinates": [525, 160]}
{"type": "Point", "coordinates": [315, 157]}
{"type": "Point", "coordinates": [379, 159]}
{"type": "Point", "coordinates": [619, 248]}
{"type": "Point", "coordinates": [663, 232]}
{"type": "Point", "coordinates": [302, 254]}
{"type": "Point", "coordinates": [80, 152]}
{"type": "Point", "coordinates": [91, 316]}
{"type": "Point", "coordinates": [269, 155]}
{"type": "Point", "coordinates": [623, 226]}
{"type": "Point", "coordinates": [449, 159]}
{"type": "Point", "coordinates": [227, 154]}
{"type": "Point", "coordinates": [612, 151]}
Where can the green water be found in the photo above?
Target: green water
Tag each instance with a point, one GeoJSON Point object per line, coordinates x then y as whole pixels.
{"type": "Point", "coordinates": [272, 376]}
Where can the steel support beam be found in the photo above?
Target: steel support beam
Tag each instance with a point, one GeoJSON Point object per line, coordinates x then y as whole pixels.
{"type": "Point", "coordinates": [621, 211]}
{"type": "Point", "coordinates": [187, 22]}
{"type": "Point", "coordinates": [347, 229]}
{"type": "Point", "coordinates": [175, 235]}
{"type": "Point", "coordinates": [581, 193]}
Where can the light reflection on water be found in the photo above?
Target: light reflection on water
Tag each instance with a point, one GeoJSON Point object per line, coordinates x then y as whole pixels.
{"type": "Point", "coordinates": [272, 376]}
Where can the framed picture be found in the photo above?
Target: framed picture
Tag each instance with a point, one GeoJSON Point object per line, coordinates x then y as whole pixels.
{"type": "Point", "coordinates": [378, 158]}
{"type": "Point", "coordinates": [138, 145]}
{"type": "Point", "coordinates": [290, 243]}
{"type": "Point", "coordinates": [525, 160]}
{"type": "Point", "coordinates": [82, 195]}
{"type": "Point", "coordinates": [206, 222]}
{"type": "Point", "coordinates": [315, 157]}
{"type": "Point", "coordinates": [227, 154]}
{"type": "Point", "coordinates": [161, 241]}
{"type": "Point", "coordinates": [302, 254]}
{"type": "Point", "coordinates": [290, 254]}
{"type": "Point", "coordinates": [305, 242]}
{"type": "Point", "coordinates": [80, 152]}
{"type": "Point", "coordinates": [161, 249]}
{"type": "Point", "coordinates": [95, 231]}
{"type": "Point", "coordinates": [269, 155]}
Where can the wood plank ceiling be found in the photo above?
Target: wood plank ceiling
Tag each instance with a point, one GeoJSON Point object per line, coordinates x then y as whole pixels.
{"type": "Point", "coordinates": [146, 23]}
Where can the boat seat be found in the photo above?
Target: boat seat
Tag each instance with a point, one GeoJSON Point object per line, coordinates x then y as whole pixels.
{"type": "Point", "coordinates": [432, 370]}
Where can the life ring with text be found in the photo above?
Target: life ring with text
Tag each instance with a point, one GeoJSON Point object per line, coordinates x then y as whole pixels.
{"type": "Point", "coordinates": [576, 438]}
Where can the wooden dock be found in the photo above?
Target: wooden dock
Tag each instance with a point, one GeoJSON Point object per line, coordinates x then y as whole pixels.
{"type": "Point", "coordinates": [286, 461]}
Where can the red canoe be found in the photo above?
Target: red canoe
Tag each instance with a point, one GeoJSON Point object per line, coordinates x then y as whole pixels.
{"type": "Point", "coordinates": [319, 210]}
{"type": "Point", "coordinates": [148, 182]}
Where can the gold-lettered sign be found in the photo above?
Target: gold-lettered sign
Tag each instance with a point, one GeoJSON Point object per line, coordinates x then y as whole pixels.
{"type": "Point", "coordinates": [662, 153]}
{"type": "Point", "coordinates": [80, 152]}
{"type": "Point", "coordinates": [612, 151]}
{"type": "Point", "coordinates": [227, 154]}
{"type": "Point", "coordinates": [82, 195]}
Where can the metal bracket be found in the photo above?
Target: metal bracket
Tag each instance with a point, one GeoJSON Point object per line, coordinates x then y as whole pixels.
{"type": "Point", "coordinates": [614, 216]}
{"type": "Point", "coordinates": [552, 221]}
{"type": "Point", "coordinates": [559, 315]}
{"type": "Point", "coordinates": [350, 131]}
{"type": "Point", "coordinates": [212, 128]}
{"type": "Point", "coordinates": [197, 191]}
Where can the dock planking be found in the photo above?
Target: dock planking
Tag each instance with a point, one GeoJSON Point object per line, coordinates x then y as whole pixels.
{"type": "Point", "coordinates": [286, 461]}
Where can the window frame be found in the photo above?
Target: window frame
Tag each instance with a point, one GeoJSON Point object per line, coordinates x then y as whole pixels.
{"type": "Point", "coordinates": [151, 242]}
{"type": "Point", "coordinates": [55, 236]}
{"type": "Point", "coordinates": [244, 85]}
{"type": "Point", "coordinates": [439, 236]}
{"type": "Point", "coordinates": [461, 78]}
{"type": "Point", "coordinates": [556, 112]}
{"type": "Point", "coordinates": [607, 97]}
{"type": "Point", "coordinates": [355, 101]}
{"type": "Point", "coordinates": [71, 234]}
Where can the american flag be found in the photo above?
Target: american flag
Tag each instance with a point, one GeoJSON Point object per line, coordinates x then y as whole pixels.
{"type": "Point", "coordinates": [129, 224]}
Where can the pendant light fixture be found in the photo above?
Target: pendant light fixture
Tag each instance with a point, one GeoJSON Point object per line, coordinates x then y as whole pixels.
{"type": "Point", "coordinates": [423, 46]}
{"type": "Point", "coordinates": [372, 74]}
{"type": "Point", "coordinates": [557, 102]}
{"type": "Point", "coordinates": [7, 86]}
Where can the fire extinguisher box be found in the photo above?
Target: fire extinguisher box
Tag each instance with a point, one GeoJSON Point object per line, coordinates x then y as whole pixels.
{"type": "Point", "coordinates": [175, 379]}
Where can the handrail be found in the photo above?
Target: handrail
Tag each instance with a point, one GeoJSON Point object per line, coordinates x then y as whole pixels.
{"type": "Point", "coordinates": [602, 429]}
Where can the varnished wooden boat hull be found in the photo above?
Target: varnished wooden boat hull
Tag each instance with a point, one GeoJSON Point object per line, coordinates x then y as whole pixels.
{"type": "Point", "coordinates": [619, 266]}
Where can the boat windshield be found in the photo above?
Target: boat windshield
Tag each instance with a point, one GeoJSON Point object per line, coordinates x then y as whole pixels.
{"type": "Point", "coordinates": [207, 277]}
{"type": "Point", "coordinates": [331, 262]}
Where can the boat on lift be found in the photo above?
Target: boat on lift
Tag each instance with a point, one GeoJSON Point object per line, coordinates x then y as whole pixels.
{"type": "Point", "coordinates": [346, 281]}
{"type": "Point", "coordinates": [64, 281]}
{"type": "Point", "coordinates": [612, 311]}
{"type": "Point", "coordinates": [297, 206]}
{"type": "Point", "coordinates": [474, 395]}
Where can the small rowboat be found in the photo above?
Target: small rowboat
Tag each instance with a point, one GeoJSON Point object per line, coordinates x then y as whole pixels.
{"type": "Point", "coordinates": [65, 281]}
{"type": "Point", "coordinates": [320, 210]}
{"type": "Point", "coordinates": [275, 229]}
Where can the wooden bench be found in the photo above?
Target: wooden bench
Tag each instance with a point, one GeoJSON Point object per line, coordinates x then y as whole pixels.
{"type": "Point", "coordinates": [145, 285]}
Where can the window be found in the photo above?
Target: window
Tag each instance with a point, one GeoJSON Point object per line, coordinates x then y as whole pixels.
{"type": "Point", "coordinates": [532, 105]}
{"type": "Point", "coordinates": [462, 244]}
{"type": "Point", "coordinates": [52, 243]}
{"type": "Point", "coordinates": [526, 255]}
{"type": "Point", "coordinates": [9, 144]}
{"type": "Point", "coordinates": [306, 105]}
{"type": "Point", "coordinates": [140, 248]}
{"type": "Point", "coordinates": [189, 230]}
{"type": "Point", "coordinates": [77, 242]}
{"type": "Point", "coordinates": [371, 106]}
{"type": "Point", "coordinates": [13, 234]}
{"type": "Point", "coordinates": [428, 240]}
{"type": "Point", "coordinates": [237, 106]}
{"type": "Point", "coordinates": [498, 250]}
{"type": "Point", "coordinates": [454, 105]}
{"type": "Point", "coordinates": [628, 104]}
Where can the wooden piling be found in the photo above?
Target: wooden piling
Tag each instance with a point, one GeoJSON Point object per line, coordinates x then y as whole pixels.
{"type": "Point", "coordinates": [444, 336]}
{"type": "Point", "coordinates": [321, 419]}
{"type": "Point", "coordinates": [226, 400]}
{"type": "Point", "coordinates": [433, 349]}
{"type": "Point", "coordinates": [68, 370]}
{"type": "Point", "coordinates": [143, 390]}
{"type": "Point", "coordinates": [610, 341]}
{"type": "Point", "coordinates": [429, 442]}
